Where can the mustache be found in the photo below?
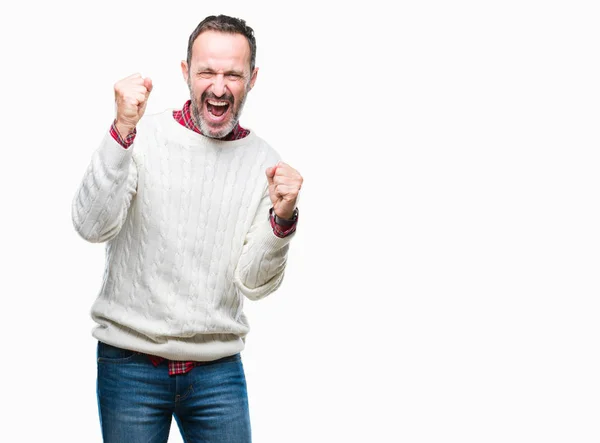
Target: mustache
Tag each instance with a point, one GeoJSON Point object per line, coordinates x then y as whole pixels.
{"type": "Point", "coordinates": [206, 95]}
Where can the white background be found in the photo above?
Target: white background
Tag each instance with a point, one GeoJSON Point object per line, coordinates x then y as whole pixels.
{"type": "Point", "coordinates": [443, 284]}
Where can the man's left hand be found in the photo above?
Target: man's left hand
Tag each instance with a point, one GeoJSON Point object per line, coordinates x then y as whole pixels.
{"type": "Point", "coordinates": [284, 185]}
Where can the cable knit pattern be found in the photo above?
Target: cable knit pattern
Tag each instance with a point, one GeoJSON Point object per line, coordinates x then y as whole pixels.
{"type": "Point", "coordinates": [185, 219]}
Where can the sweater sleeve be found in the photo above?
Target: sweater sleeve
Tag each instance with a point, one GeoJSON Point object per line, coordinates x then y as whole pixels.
{"type": "Point", "coordinates": [261, 266]}
{"type": "Point", "coordinates": [102, 200]}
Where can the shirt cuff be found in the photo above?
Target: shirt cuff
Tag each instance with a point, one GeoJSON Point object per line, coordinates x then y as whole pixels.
{"type": "Point", "coordinates": [128, 141]}
{"type": "Point", "coordinates": [282, 231]}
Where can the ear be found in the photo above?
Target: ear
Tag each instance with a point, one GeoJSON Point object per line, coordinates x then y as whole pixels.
{"type": "Point", "coordinates": [253, 78]}
{"type": "Point", "coordinates": [184, 70]}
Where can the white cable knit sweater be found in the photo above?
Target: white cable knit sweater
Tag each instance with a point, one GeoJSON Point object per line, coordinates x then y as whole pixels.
{"type": "Point", "coordinates": [186, 221]}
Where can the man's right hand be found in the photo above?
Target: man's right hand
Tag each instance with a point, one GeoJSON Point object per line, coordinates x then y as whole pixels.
{"type": "Point", "coordinates": [131, 97]}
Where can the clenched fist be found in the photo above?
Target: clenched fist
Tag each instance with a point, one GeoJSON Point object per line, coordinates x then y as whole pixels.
{"type": "Point", "coordinates": [284, 185]}
{"type": "Point", "coordinates": [131, 97]}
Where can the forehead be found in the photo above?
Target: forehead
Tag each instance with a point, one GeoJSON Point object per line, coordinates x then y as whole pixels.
{"type": "Point", "coordinates": [221, 50]}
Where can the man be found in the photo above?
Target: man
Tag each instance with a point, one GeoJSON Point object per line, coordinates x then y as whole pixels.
{"type": "Point", "coordinates": [197, 213]}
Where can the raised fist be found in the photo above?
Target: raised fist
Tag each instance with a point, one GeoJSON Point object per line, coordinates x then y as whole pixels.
{"type": "Point", "coordinates": [284, 185]}
{"type": "Point", "coordinates": [131, 97]}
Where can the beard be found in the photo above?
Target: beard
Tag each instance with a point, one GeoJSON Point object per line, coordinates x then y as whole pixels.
{"type": "Point", "coordinates": [199, 105]}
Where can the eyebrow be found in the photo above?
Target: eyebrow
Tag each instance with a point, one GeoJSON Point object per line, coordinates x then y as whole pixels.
{"type": "Point", "coordinates": [231, 71]}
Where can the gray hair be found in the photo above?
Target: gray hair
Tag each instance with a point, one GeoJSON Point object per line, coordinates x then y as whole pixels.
{"type": "Point", "coordinates": [230, 25]}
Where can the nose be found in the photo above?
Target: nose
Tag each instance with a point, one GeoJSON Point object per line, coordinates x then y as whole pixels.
{"type": "Point", "coordinates": [218, 85]}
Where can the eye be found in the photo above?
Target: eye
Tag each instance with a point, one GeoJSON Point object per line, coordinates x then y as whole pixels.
{"type": "Point", "coordinates": [205, 74]}
{"type": "Point", "coordinates": [234, 76]}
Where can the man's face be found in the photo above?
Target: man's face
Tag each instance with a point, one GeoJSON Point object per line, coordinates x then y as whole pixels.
{"type": "Point", "coordinates": [219, 78]}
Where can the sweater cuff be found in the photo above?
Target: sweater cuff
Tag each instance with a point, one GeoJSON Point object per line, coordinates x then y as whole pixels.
{"type": "Point", "coordinates": [112, 153]}
{"type": "Point", "coordinates": [267, 240]}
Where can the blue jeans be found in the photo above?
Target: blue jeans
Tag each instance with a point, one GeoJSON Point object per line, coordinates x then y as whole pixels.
{"type": "Point", "coordinates": [137, 400]}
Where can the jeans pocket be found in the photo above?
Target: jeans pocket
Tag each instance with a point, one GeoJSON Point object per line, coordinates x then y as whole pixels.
{"type": "Point", "coordinates": [112, 354]}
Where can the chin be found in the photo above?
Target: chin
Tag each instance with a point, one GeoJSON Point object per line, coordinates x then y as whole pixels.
{"type": "Point", "coordinates": [217, 132]}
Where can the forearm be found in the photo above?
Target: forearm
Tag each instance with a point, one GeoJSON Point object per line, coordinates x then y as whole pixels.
{"type": "Point", "coordinates": [101, 202]}
{"type": "Point", "coordinates": [262, 264]}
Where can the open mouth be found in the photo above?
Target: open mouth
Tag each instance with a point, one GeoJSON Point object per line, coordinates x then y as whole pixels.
{"type": "Point", "coordinates": [217, 109]}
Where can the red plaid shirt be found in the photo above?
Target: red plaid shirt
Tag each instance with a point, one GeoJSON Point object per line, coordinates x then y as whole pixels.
{"type": "Point", "coordinates": [184, 117]}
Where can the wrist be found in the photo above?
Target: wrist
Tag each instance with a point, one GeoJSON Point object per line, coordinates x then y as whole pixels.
{"type": "Point", "coordinates": [286, 219]}
{"type": "Point", "coordinates": [124, 129]}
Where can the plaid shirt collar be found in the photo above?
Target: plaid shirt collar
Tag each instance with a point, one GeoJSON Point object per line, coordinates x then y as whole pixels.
{"type": "Point", "coordinates": [184, 117]}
